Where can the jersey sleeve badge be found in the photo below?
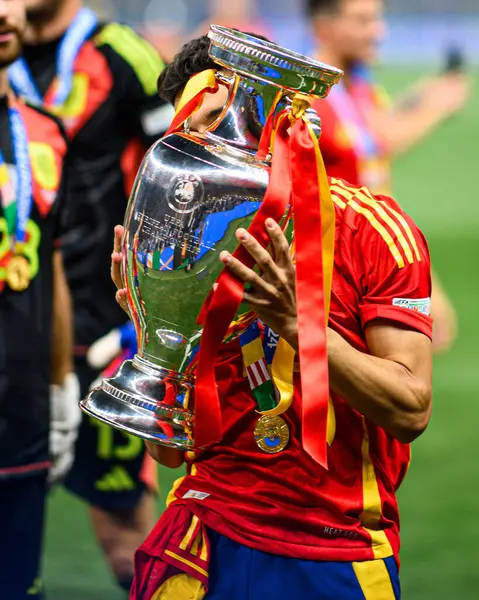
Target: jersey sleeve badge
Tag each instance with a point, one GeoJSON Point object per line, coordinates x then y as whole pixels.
{"type": "Point", "coordinates": [420, 305]}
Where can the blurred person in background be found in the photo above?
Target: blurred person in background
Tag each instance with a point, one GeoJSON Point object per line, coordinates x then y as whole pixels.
{"type": "Point", "coordinates": [362, 130]}
{"type": "Point", "coordinates": [36, 326]}
{"type": "Point", "coordinates": [100, 80]}
{"type": "Point", "coordinates": [240, 14]}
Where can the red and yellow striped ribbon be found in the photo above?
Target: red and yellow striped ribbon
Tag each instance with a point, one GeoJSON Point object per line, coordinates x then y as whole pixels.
{"type": "Point", "coordinates": [192, 97]}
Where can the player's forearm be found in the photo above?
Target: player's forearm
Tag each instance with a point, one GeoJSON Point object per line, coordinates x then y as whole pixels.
{"type": "Point", "coordinates": [62, 325]}
{"type": "Point", "coordinates": [406, 127]}
{"type": "Point", "coordinates": [384, 391]}
{"type": "Point", "coordinates": [168, 457]}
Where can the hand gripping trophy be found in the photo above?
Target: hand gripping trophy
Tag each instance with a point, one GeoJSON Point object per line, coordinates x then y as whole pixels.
{"type": "Point", "coordinates": [260, 158]}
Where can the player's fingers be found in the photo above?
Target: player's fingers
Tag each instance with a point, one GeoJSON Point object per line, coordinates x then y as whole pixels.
{"type": "Point", "coordinates": [261, 256]}
{"type": "Point", "coordinates": [279, 243]}
{"type": "Point", "coordinates": [121, 298]}
{"type": "Point", "coordinates": [118, 236]}
{"type": "Point", "coordinates": [255, 300]}
{"type": "Point", "coordinates": [245, 273]}
{"type": "Point", "coordinates": [115, 269]}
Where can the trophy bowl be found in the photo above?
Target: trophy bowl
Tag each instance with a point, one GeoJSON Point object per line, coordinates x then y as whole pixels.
{"type": "Point", "coordinates": [192, 192]}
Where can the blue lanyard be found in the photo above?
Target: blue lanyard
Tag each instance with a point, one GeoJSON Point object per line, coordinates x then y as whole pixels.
{"type": "Point", "coordinates": [24, 191]}
{"type": "Point", "coordinates": [270, 343]}
{"type": "Point", "coordinates": [21, 80]}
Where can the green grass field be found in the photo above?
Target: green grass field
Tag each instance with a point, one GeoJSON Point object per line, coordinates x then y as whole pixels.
{"type": "Point", "coordinates": [439, 502]}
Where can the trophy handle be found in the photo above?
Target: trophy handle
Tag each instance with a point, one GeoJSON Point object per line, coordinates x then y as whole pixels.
{"type": "Point", "coordinates": [232, 83]}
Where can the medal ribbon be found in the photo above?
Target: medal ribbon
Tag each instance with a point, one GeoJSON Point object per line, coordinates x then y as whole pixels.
{"type": "Point", "coordinates": [273, 393]}
{"type": "Point", "coordinates": [80, 30]}
{"type": "Point", "coordinates": [255, 363]}
{"type": "Point", "coordinates": [7, 195]}
{"type": "Point", "coordinates": [17, 212]}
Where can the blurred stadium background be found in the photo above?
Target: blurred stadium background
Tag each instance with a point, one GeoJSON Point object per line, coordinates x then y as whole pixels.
{"type": "Point", "coordinates": [436, 184]}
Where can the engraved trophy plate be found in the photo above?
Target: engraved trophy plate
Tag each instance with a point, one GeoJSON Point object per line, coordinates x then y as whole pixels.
{"type": "Point", "coordinates": [191, 194]}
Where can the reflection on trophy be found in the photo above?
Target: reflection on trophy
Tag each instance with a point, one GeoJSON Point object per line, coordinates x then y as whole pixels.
{"type": "Point", "coordinates": [191, 195]}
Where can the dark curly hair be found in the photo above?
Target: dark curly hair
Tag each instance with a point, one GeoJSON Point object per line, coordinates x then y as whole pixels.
{"type": "Point", "coordinates": [316, 7]}
{"type": "Point", "coordinates": [191, 59]}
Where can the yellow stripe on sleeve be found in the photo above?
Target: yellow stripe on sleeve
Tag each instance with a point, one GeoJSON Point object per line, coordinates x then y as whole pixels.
{"type": "Point", "coordinates": [377, 226]}
{"type": "Point", "coordinates": [374, 580]}
{"type": "Point", "coordinates": [399, 217]}
{"type": "Point", "coordinates": [138, 53]}
{"type": "Point", "coordinates": [406, 228]}
{"type": "Point", "coordinates": [339, 202]}
{"type": "Point", "coordinates": [365, 198]}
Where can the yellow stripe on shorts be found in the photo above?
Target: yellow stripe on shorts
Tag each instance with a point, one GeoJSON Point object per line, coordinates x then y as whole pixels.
{"type": "Point", "coordinates": [374, 580]}
{"type": "Point", "coordinates": [180, 587]}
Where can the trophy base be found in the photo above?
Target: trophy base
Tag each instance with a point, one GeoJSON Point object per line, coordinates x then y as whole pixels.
{"type": "Point", "coordinates": [145, 401]}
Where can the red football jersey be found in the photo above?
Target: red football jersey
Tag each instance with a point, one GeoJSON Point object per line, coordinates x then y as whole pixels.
{"type": "Point", "coordinates": [344, 113]}
{"type": "Point", "coordinates": [286, 503]}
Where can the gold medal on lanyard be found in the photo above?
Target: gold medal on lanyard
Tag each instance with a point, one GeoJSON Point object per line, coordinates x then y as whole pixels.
{"type": "Point", "coordinates": [18, 267]}
{"type": "Point", "coordinates": [271, 434]}
{"type": "Point", "coordinates": [18, 273]}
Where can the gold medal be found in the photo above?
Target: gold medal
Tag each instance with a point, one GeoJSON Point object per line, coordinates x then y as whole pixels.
{"type": "Point", "coordinates": [18, 273]}
{"type": "Point", "coordinates": [271, 434]}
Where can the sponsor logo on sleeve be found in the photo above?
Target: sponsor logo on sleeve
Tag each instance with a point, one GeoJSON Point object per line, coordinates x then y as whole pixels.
{"type": "Point", "coordinates": [420, 305]}
{"type": "Point", "coordinates": [196, 495]}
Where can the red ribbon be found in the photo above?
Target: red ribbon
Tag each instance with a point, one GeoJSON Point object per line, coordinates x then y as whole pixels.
{"type": "Point", "coordinates": [310, 297]}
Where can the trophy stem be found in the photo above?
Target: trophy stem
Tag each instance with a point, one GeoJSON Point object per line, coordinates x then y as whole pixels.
{"type": "Point", "coordinates": [147, 401]}
{"type": "Point", "coordinates": [246, 112]}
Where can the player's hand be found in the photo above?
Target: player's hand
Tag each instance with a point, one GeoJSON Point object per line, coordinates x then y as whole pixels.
{"type": "Point", "coordinates": [116, 260]}
{"type": "Point", "coordinates": [447, 94]}
{"type": "Point", "coordinates": [272, 295]}
{"type": "Point", "coordinates": [64, 423]}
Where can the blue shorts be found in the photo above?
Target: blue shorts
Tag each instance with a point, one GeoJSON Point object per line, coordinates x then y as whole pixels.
{"type": "Point", "coordinates": [109, 468]}
{"type": "Point", "coordinates": [237, 572]}
{"type": "Point", "coordinates": [22, 512]}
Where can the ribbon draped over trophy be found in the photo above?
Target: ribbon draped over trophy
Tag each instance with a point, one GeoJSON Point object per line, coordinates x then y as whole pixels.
{"type": "Point", "coordinates": [298, 181]}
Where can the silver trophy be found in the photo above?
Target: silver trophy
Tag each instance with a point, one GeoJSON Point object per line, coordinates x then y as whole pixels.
{"type": "Point", "coordinates": [191, 194]}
